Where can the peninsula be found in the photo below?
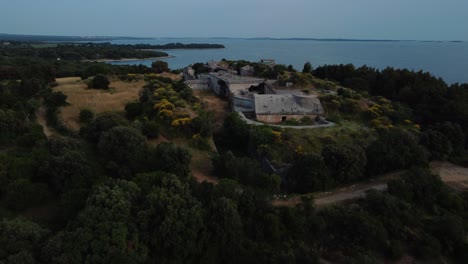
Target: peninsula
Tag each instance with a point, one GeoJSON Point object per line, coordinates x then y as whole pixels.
{"type": "Point", "coordinates": [178, 46]}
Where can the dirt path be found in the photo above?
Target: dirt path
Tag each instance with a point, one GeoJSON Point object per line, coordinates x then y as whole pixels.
{"type": "Point", "coordinates": [453, 175]}
{"type": "Point", "coordinates": [41, 119]}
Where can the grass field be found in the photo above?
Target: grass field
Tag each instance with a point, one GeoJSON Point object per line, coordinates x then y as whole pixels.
{"type": "Point", "coordinates": [80, 97]}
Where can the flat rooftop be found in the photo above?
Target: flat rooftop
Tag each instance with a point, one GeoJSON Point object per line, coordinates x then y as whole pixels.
{"type": "Point", "coordinates": [234, 78]}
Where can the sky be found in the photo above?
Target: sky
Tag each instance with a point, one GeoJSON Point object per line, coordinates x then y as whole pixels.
{"type": "Point", "coordinates": [352, 19]}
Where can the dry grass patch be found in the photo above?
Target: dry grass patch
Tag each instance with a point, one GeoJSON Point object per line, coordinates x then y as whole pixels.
{"type": "Point", "coordinates": [214, 103]}
{"type": "Point", "coordinates": [80, 97]}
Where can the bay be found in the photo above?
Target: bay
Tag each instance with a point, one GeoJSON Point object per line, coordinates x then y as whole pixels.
{"type": "Point", "coordinates": [447, 60]}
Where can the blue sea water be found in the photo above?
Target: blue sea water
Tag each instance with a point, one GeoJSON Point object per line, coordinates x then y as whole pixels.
{"type": "Point", "coordinates": [448, 60]}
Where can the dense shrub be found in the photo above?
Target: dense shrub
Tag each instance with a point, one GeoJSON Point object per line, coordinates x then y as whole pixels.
{"type": "Point", "coordinates": [86, 116]}
{"type": "Point", "coordinates": [99, 81]}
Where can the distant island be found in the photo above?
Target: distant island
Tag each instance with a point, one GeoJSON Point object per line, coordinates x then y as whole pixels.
{"type": "Point", "coordinates": [75, 51]}
{"type": "Point", "coordinates": [45, 38]}
{"type": "Point", "coordinates": [178, 46]}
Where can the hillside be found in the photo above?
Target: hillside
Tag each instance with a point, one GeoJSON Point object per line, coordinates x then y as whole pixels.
{"type": "Point", "coordinates": [127, 164]}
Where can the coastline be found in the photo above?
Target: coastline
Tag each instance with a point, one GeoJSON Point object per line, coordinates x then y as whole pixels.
{"type": "Point", "coordinates": [130, 59]}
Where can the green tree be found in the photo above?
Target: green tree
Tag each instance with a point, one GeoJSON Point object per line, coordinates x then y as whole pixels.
{"type": "Point", "coordinates": [67, 171]}
{"type": "Point", "coordinates": [99, 81]}
{"type": "Point", "coordinates": [438, 145]}
{"type": "Point", "coordinates": [55, 99]}
{"type": "Point", "coordinates": [225, 231]}
{"type": "Point", "coordinates": [346, 163]}
{"type": "Point", "coordinates": [307, 174]}
{"type": "Point", "coordinates": [234, 135]}
{"type": "Point", "coordinates": [307, 68]}
{"type": "Point", "coordinates": [160, 67]}
{"type": "Point", "coordinates": [204, 123]}
{"type": "Point", "coordinates": [20, 240]}
{"type": "Point", "coordinates": [173, 159]}
{"type": "Point", "coordinates": [103, 123]}
{"type": "Point", "coordinates": [171, 218]}
{"type": "Point", "coordinates": [86, 116]}
{"type": "Point", "coordinates": [120, 144]}
{"type": "Point", "coordinates": [104, 232]}
{"type": "Point", "coordinates": [418, 186]}
{"type": "Point", "coordinates": [395, 149]}
{"type": "Point", "coordinates": [22, 193]}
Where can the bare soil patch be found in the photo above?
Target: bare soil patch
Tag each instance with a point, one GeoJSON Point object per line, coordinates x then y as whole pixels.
{"type": "Point", "coordinates": [453, 175]}
{"type": "Point", "coordinates": [80, 97]}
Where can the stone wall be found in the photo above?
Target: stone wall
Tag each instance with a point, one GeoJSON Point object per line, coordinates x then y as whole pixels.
{"type": "Point", "coordinates": [278, 119]}
{"type": "Point", "coordinates": [198, 84]}
{"type": "Point", "coordinates": [242, 102]}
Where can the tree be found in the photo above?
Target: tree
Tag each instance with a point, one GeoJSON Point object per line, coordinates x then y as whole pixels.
{"type": "Point", "coordinates": [99, 81]}
{"type": "Point", "coordinates": [307, 68]}
{"type": "Point", "coordinates": [86, 116]}
{"type": "Point", "coordinates": [307, 174]}
{"type": "Point", "coordinates": [160, 66]}
{"type": "Point", "coordinates": [103, 123]}
{"type": "Point", "coordinates": [20, 240]}
{"type": "Point", "coordinates": [120, 144]}
{"type": "Point", "coordinates": [133, 110]}
{"type": "Point", "coordinates": [171, 218]}
{"type": "Point", "coordinates": [22, 193]}
{"type": "Point", "coordinates": [346, 163]}
{"type": "Point", "coordinates": [204, 123]}
{"type": "Point", "coordinates": [104, 232]}
{"type": "Point", "coordinates": [173, 159]}
{"type": "Point", "coordinates": [418, 186]}
{"type": "Point", "coordinates": [395, 149]}
{"type": "Point", "coordinates": [225, 231]}
{"type": "Point", "coordinates": [67, 171]}
{"type": "Point", "coordinates": [438, 145]}
{"type": "Point", "coordinates": [234, 135]}
{"type": "Point", "coordinates": [150, 129]}
{"type": "Point", "coordinates": [55, 99]}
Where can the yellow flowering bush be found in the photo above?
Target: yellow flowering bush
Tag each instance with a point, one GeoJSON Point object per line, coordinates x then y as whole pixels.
{"type": "Point", "coordinates": [181, 121]}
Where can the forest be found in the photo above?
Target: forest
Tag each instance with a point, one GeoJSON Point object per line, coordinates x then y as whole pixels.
{"type": "Point", "coordinates": [74, 52]}
{"type": "Point", "coordinates": [106, 195]}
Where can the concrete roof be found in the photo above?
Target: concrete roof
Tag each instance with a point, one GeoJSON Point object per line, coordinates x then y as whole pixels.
{"type": "Point", "coordinates": [234, 78]}
{"type": "Point", "coordinates": [287, 104]}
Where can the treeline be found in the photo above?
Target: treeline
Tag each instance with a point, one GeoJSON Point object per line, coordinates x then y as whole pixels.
{"type": "Point", "coordinates": [176, 46]}
{"type": "Point", "coordinates": [18, 68]}
{"type": "Point", "coordinates": [430, 98]}
{"type": "Point", "coordinates": [86, 51]}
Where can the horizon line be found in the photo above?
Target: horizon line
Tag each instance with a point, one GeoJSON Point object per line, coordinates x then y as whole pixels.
{"type": "Point", "coordinates": [219, 37]}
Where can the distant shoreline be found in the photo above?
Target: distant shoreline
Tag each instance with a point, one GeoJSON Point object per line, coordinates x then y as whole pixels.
{"type": "Point", "coordinates": [130, 59]}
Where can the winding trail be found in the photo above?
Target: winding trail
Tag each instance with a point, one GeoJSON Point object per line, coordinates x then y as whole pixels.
{"type": "Point", "coordinates": [454, 176]}
{"type": "Point", "coordinates": [41, 119]}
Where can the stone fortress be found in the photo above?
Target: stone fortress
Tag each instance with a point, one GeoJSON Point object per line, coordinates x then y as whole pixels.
{"type": "Point", "coordinates": [256, 98]}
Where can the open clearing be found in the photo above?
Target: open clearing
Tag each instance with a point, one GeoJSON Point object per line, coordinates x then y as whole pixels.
{"type": "Point", "coordinates": [453, 175]}
{"type": "Point", "coordinates": [80, 97]}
